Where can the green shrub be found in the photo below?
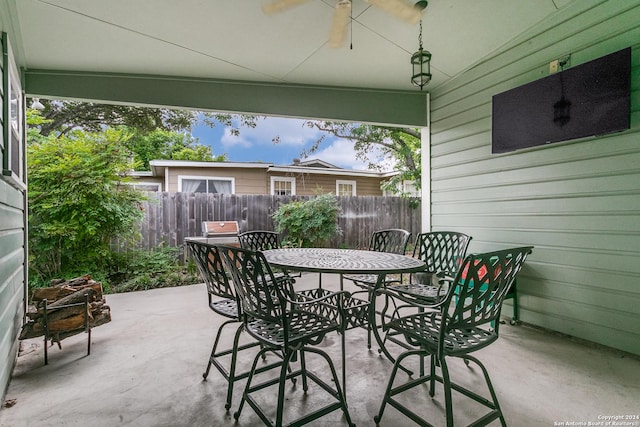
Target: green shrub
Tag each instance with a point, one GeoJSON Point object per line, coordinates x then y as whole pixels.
{"type": "Point", "coordinates": [144, 269]}
{"type": "Point", "coordinates": [77, 202]}
{"type": "Point", "coordinates": [136, 270]}
{"type": "Point", "coordinates": [309, 223]}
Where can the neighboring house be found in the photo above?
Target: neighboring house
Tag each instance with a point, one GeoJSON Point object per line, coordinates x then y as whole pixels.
{"type": "Point", "coordinates": [302, 178]}
{"type": "Point", "coordinates": [407, 188]}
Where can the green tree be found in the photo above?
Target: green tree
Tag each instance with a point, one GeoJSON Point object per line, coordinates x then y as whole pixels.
{"type": "Point", "coordinates": [64, 116]}
{"type": "Point", "coordinates": [402, 145]}
{"type": "Point", "coordinates": [201, 153]}
{"type": "Point", "coordinates": [161, 144]}
{"type": "Point", "coordinates": [78, 200]}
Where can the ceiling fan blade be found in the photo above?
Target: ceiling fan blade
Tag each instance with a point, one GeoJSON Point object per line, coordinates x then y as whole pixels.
{"type": "Point", "coordinates": [276, 6]}
{"type": "Point", "coordinates": [400, 9]}
{"type": "Point", "coordinates": [341, 18]}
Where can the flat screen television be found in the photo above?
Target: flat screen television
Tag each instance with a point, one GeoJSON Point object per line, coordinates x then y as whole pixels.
{"type": "Point", "coordinates": [589, 99]}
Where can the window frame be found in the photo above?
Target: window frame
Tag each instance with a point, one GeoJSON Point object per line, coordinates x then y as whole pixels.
{"type": "Point", "coordinates": [352, 183]}
{"type": "Point", "coordinates": [13, 126]}
{"type": "Point", "coordinates": [135, 185]}
{"type": "Point", "coordinates": [231, 179]}
{"type": "Point", "coordinates": [290, 179]}
{"type": "Point", "coordinates": [409, 187]}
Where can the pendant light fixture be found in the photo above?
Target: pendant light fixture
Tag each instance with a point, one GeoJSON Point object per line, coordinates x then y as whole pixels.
{"type": "Point", "coordinates": [421, 60]}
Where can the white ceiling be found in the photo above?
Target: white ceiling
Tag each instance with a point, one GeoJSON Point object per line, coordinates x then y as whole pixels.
{"type": "Point", "coordinates": [233, 39]}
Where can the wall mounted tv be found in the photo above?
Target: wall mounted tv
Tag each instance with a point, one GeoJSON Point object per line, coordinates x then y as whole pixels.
{"type": "Point", "coordinates": [589, 99]}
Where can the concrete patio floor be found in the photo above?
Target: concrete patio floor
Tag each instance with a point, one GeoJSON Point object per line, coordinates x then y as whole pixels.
{"type": "Point", "coordinates": [145, 369]}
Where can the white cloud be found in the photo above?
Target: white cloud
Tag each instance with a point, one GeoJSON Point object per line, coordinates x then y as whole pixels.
{"type": "Point", "coordinates": [291, 132]}
{"type": "Point", "coordinates": [256, 144]}
{"type": "Point", "coordinates": [340, 152]}
{"type": "Point", "coordinates": [229, 140]}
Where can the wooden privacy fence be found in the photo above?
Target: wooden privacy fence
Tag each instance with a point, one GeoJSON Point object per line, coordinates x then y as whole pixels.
{"type": "Point", "coordinates": [170, 217]}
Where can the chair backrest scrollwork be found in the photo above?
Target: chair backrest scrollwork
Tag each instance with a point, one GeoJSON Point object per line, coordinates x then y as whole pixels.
{"type": "Point", "coordinates": [259, 240]}
{"type": "Point", "coordinates": [211, 267]}
{"type": "Point", "coordinates": [442, 251]}
{"type": "Point", "coordinates": [393, 240]}
{"type": "Point", "coordinates": [481, 285]}
{"type": "Point", "coordinates": [260, 295]}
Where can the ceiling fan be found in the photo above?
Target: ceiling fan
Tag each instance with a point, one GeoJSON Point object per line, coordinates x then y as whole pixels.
{"type": "Point", "coordinates": [402, 9]}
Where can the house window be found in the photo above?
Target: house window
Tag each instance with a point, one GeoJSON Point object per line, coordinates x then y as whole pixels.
{"type": "Point", "coordinates": [283, 186]}
{"type": "Point", "coordinates": [345, 188]}
{"type": "Point", "coordinates": [12, 103]}
{"type": "Point", "coordinates": [146, 186]}
{"type": "Point", "coordinates": [200, 184]}
{"type": "Point", "coordinates": [410, 188]}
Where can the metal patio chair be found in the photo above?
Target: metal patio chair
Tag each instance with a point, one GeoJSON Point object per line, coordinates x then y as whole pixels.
{"type": "Point", "coordinates": [391, 240]}
{"type": "Point", "coordinates": [443, 253]}
{"type": "Point", "coordinates": [288, 325]}
{"type": "Point", "coordinates": [259, 240]}
{"type": "Point", "coordinates": [262, 240]}
{"type": "Point", "coordinates": [477, 292]}
{"type": "Point", "coordinates": [223, 301]}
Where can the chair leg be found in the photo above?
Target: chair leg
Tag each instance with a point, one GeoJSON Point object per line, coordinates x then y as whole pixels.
{"type": "Point", "coordinates": [432, 381]}
{"type": "Point", "coordinates": [245, 394]}
{"type": "Point", "coordinates": [339, 394]}
{"type": "Point", "coordinates": [371, 296]}
{"type": "Point", "coordinates": [215, 346]}
{"type": "Point", "coordinates": [232, 367]}
{"type": "Point", "coordinates": [494, 398]}
{"type": "Point", "coordinates": [284, 370]}
{"type": "Point", "coordinates": [387, 394]}
{"type": "Point", "coordinates": [46, 352]}
{"type": "Point", "coordinates": [515, 320]}
{"type": "Point", "coordinates": [446, 382]}
{"type": "Point", "coordinates": [303, 369]}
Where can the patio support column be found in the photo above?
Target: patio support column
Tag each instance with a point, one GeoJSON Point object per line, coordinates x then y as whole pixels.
{"type": "Point", "coordinates": [425, 147]}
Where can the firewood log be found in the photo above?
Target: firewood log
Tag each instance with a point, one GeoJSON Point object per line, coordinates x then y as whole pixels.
{"type": "Point", "coordinates": [66, 327]}
{"type": "Point", "coordinates": [76, 281]}
{"type": "Point", "coordinates": [51, 294]}
{"type": "Point", "coordinates": [77, 296]}
{"type": "Point", "coordinates": [55, 293]}
{"type": "Point", "coordinates": [62, 320]}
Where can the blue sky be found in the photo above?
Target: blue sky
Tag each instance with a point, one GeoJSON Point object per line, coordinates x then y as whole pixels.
{"type": "Point", "coordinates": [255, 144]}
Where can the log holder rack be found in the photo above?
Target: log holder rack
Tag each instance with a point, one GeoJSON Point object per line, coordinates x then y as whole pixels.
{"type": "Point", "coordinates": [55, 336]}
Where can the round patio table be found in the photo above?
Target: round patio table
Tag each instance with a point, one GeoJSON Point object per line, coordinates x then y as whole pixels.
{"type": "Point", "coordinates": [342, 261]}
{"type": "Point", "coordinates": [346, 261]}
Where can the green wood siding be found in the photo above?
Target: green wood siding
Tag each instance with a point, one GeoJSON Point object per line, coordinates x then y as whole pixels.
{"type": "Point", "coordinates": [577, 202]}
{"type": "Point", "coordinates": [12, 253]}
{"type": "Point", "coordinates": [12, 260]}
